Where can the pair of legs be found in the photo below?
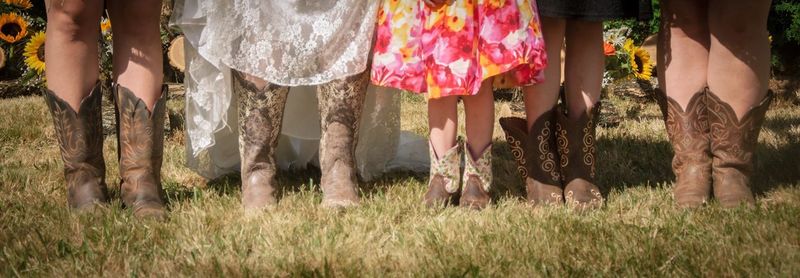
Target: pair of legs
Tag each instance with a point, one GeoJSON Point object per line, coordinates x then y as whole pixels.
{"type": "Point", "coordinates": [714, 68]}
{"type": "Point", "coordinates": [715, 43]}
{"type": "Point", "coordinates": [74, 99]}
{"type": "Point", "coordinates": [555, 149]}
{"type": "Point", "coordinates": [583, 73]}
{"type": "Point", "coordinates": [71, 51]}
{"type": "Point", "coordinates": [446, 178]}
{"type": "Point", "coordinates": [479, 120]}
{"type": "Point", "coordinates": [261, 109]}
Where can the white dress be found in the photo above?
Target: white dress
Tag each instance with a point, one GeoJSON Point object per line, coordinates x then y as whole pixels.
{"type": "Point", "coordinates": [298, 43]}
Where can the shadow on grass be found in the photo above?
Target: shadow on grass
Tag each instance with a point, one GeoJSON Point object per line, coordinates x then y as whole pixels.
{"type": "Point", "coordinates": [621, 163]}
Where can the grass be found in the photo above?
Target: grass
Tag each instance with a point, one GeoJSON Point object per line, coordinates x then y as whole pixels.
{"type": "Point", "coordinates": [638, 232]}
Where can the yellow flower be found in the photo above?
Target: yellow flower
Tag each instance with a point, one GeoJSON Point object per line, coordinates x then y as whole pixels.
{"type": "Point", "coordinates": [34, 52]}
{"type": "Point", "coordinates": [12, 27]}
{"type": "Point", "coordinates": [628, 46]}
{"type": "Point", "coordinates": [105, 26]}
{"type": "Point", "coordinates": [641, 65]}
{"type": "Point", "coordinates": [24, 4]}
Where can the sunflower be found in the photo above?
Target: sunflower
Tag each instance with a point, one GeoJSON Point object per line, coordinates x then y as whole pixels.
{"type": "Point", "coordinates": [34, 52]}
{"type": "Point", "coordinates": [641, 65]}
{"type": "Point", "coordinates": [24, 4]}
{"type": "Point", "coordinates": [12, 27]}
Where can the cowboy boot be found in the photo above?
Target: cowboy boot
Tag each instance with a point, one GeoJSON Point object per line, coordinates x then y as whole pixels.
{"type": "Point", "coordinates": [260, 118]}
{"type": "Point", "coordinates": [140, 139]}
{"type": "Point", "coordinates": [576, 143]}
{"type": "Point", "coordinates": [340, 104]}
{"type": "Point", "coordinates": [688, 133]}
{"type": "Point", "coordinates": [477, 179]}
{"type": "Point", "coordinates": [733, 145]}
{"type": "Point", "coordinates": [445, 176]}
{"type": "Point", "coordinates": [80, 136]}
{"type": "Point", "coordinates": [535, 151]}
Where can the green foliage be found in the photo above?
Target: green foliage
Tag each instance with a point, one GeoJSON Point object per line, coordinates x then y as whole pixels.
{"type": "Point", "coordinates": [784, 27]}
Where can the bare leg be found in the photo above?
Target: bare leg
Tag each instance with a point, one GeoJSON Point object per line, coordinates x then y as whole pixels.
{"type": "Point", "coordinates": [540, 98]}
{"type": "Point", "coordinates": [71, 48]}
{"type": "Point", "coordinates": [138, 63]}
{"type": "Point", "coordinates": [443, 123]}
{"type": "Point", "coordinates": [738, 63]}
{"type": "Point", "coordinates": [479, 121]}
{"type": "Point", "coordinates": [584, 65]}
{"type": "Point", "coordinates": [683, 49]}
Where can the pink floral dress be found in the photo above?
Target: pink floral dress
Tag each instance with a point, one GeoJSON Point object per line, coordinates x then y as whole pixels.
{"type": "Point", "coordinates": [451, 50]}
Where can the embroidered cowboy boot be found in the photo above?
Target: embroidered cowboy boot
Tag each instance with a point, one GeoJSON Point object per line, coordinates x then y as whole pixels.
{"type": "Point", "coordinates": [260, 118]}
{"type": "Point", "coordinates": [733, 145]}
{"type": "Point", "coordinates": [576, 143]}
{"type": "Point", "coordinates": [445, 176]}
{"type": "Point", "coordinates": [536, 154]}
{"type": "Point", "coordinates": [688, 132]}
{"type": "Point", "coordinates": [80, 136]}
{"type": "Point", "coordinates": [477, 179]}
{"type": "Point", "coordinates": [340, 104]}
{"type": "Point", "coordinates": [140, 139]}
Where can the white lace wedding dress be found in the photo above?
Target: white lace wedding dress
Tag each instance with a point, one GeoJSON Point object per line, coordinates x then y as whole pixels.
{"type": "Point", "coordinates": [297, 43]}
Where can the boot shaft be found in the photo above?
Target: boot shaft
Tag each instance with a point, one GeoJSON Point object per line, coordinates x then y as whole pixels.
{"type": "Point", "coordinates": [140, 137]}
{"type": "Point", "coordinates": [80, 138]}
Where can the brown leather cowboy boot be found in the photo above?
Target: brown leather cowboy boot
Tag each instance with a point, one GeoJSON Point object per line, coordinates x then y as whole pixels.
{"type": "Point", "coordinates": [537, 159]}
{"type": "Point", "coordinates": [575, 140]}
{"type": "Point", "coordinates": [260, 118]}
{"type": "Point", "coordinates": [445, 176]}
{"type": "Point", "coordinates": [340, 104]}
{"type": "Point", "coordinates": [140, 139]}
{"type": "Point", "coordinates": [688, 133]}
{"type": "Point", "coordinates": [477, 179]}
{"type": "Point", "coordinates": [733, 144]}
{"type": "Point", "coordinates": [80, 136]}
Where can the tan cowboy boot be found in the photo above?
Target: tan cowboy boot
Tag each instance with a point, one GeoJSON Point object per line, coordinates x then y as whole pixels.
{"type": "Point", "coordinates": [688, 133]}
{"type": "Point", "coordinates": [576, 143]}
{"type": "Point", "coordinates": [260, 118]}
{"type": "Point", "coordinates": [536, 154]}
{"type": "Point", "coordinates": [340, 104]}
{"type": "Point", "coordinates": [445, 176]}
{"type": "Point", "coordinates": [733, 144]}
{"type": "Point", "coordinates": [140, 139]}
{"type": "Point", "coordinates": [80, 136]}
{"type": "Point", "coordinates": [477, 179]}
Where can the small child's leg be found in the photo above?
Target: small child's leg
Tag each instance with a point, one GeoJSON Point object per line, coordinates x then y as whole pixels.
{"type": "Point", "coordinates": [443, 123]}
{"type": "Point", "coordinates": [479, 120]}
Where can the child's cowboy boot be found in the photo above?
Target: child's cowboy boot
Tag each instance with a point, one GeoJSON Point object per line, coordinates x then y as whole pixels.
{"type": "Point", "coordinates": [340, 104]}
{"type": "Point", "coordinates": [733, 144]}
{"type": "Point", "coordinates": [260, 118]}
{"type": "Point", "coordinates": [445, 176]}
{"type": "Point", "coordinates": [140, 139]}
{"type": "Point", "coordinates": [536, 154]}
{"type": "Point", "coordinates": [80, 136]}
{"type": "Point", "coordinates": [477, 179]}
{"type": "Point", "coordinates": [688, 133]}
{"type": "Point", "coordinates": [576, 142]}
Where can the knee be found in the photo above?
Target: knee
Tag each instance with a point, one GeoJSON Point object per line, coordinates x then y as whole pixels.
{"type": "Point", "coordinates": [73, 20]}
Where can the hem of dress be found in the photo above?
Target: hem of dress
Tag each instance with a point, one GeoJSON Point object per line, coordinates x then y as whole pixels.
{"type": "Point", "coordinates": [359, 70]}
{"type": "Point", "coordinates": [593, 17]}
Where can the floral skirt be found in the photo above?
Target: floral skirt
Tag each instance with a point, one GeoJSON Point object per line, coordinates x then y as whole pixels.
{"type": "Point", "coordinates": [451, 50]}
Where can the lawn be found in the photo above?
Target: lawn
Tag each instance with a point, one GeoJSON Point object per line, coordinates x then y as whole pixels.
{"type": "Point", "coordinates": [639, 232]}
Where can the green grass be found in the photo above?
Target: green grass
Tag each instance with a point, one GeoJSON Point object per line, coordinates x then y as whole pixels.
{"type": "Point", "coordinates": [638, 232]}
